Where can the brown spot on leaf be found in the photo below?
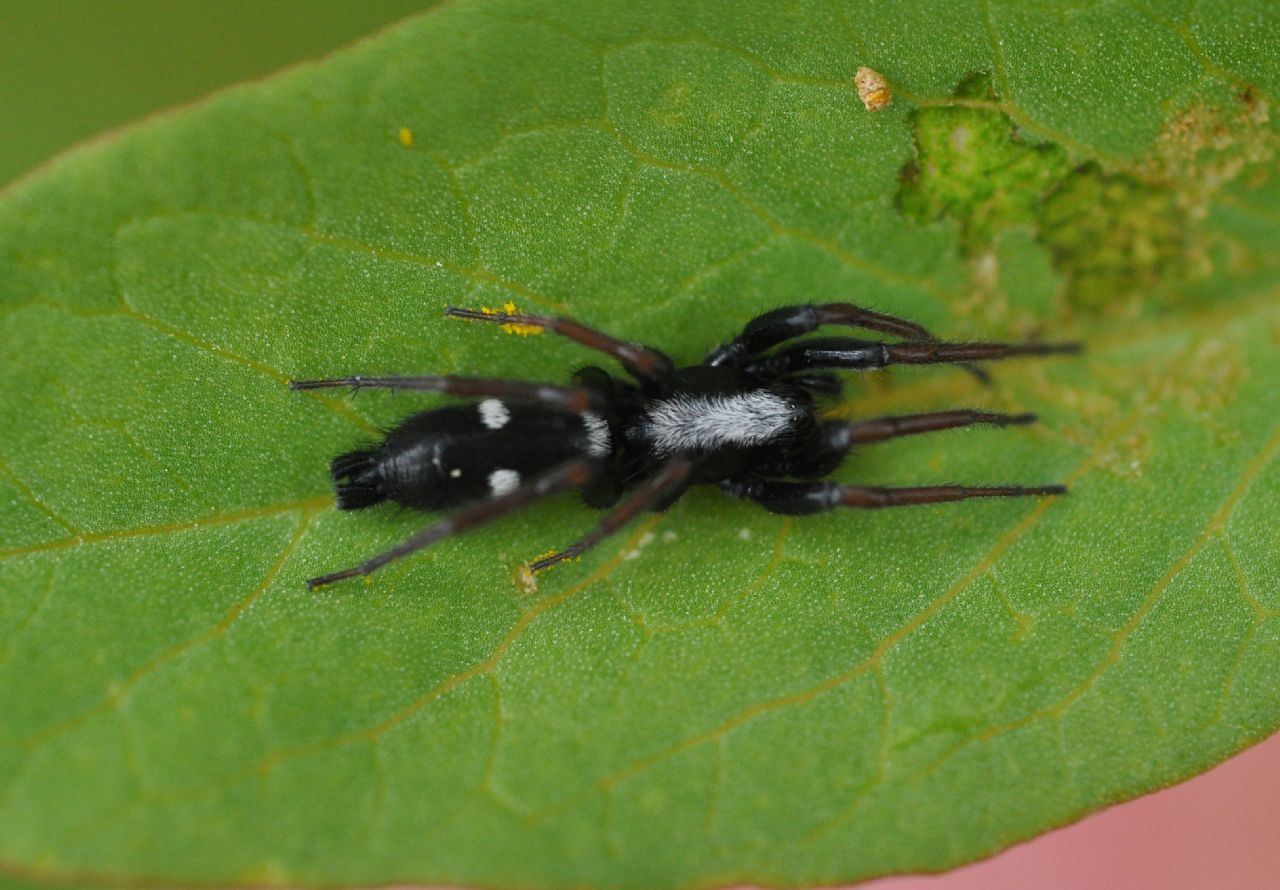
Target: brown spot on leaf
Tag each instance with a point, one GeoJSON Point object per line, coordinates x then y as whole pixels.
{"type": "Point", "coordinates": [873, 89]}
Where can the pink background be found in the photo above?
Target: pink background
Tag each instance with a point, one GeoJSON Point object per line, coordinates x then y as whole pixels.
{"type": "Point", "coordinates": [1221, 829]}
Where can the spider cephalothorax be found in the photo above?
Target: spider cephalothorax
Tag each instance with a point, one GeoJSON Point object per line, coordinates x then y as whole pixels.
{"type": "Point", "coordinates": [745, 419]}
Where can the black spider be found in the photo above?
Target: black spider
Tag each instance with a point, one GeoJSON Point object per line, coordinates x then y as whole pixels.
{"type": "Point", "coordinates": [744, 419]}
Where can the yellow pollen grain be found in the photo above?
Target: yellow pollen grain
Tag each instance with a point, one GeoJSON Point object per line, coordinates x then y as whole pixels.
{"type": "Point", "coordinates": [541, 556]}
{"type": "Point", "coordinates": [523, 330]}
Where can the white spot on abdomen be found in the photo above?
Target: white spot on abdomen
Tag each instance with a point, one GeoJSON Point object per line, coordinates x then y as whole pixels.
{"type": "Point", "coordinates": [503, 482]}
{"type": "Point", "coordinates": [599, 442]}
{"type": "Point", "coordinates": [494, 414]}
{"type": "Point", "coordinates": [704, 423]}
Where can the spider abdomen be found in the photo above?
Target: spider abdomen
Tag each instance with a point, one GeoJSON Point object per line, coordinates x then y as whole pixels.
{"type": "Point", "coordinates": [435, 460]}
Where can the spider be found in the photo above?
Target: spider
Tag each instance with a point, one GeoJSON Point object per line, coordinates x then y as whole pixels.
{"type": "Point", "coordinates": [746, 419]}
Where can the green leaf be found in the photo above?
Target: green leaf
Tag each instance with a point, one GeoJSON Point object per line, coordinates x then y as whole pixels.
{"type": "Point", "coordinates": [718, 695]}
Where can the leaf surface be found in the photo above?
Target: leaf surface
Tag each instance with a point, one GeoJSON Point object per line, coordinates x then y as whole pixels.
{"type": "Point", "coordinates": [719, 695]}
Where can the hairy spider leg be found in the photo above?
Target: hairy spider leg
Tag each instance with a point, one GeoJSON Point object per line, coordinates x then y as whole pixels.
{"type": "Point", "coordinates": [569, 475]}
{"type": "Point", "coordinates": [773, 328]}
{"type": "Point", "coordinates": [667, 480]}
{"type": "Point", "coordinates": [577, 399]}
{"type": "Point", "coordinates": [861, 355]}
{"type": "Point", "coordinates": [800, 498]}
{"type": "Point", "coordinates": [645, 364]}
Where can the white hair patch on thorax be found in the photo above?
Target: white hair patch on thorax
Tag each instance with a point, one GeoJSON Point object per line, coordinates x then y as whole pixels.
{"type": "Point", "coordinates": [503, 482]}
{"type": "Point", "coordinates": [494, 414]}
{"type": "Point", "coordinates": [703, 423]}
{"type": "Point", "coordinates": [599, 442]}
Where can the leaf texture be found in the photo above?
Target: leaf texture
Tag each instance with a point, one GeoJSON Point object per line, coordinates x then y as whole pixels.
{"type": "Point", "coordinates": [719, 695]}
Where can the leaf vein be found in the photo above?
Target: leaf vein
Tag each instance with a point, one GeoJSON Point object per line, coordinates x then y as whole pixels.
{"type": "Point", "coordinates": [11, 640]}
{"type": "Point", "coordinates": [1212, 529]}
{"type": "Point", "coordinates": [116, 693]}
{"type": "Point", "coordinates": [476, 274]}
{"type": "Point", "coordinates": [86, 538]}
{"type": "Point", "coordinates": [35, 499]}
{"type": "Point", "coordinates": [478, 669]}
{"type": "Point", "coordinates": [776, 226]}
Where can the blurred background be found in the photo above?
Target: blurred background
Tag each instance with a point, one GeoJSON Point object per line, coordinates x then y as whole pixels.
{"type": "Point", "coordinates": [70, 69]}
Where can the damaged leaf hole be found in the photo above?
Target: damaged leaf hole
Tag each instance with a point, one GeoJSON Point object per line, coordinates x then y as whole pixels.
{"type": "Point", "coordinates": [1111, 235]}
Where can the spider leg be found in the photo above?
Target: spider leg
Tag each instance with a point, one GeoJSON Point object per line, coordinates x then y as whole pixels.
{"type": "Point", "coordinates": [561, 398]}
{"type": "Point", "coordinates": [823, 384]}
{"type": "Point", "coordinates": [668, 479]}
{"type": "Point", "coordinates": [860, 355]}
{"type": "Point", "coordinates": [772, 328]}
{"type": "Point", "coordinates": [832, 441]}
{"type": "Point", "coordinates": [647, 365]}
{"type": "Point", "coordinates": [569, 475]}
{"type": "Point", "coordinates": [877, 429]}
{"type": "Point", "coordinates": [799, 498]}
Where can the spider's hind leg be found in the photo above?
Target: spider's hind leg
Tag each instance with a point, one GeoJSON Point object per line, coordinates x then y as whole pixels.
{"type": "Point", "coordinates": [800, 498]}
{"type": "Point", "coordinates": [560, 398]}
{"type": "Point", "coordinates": [569, 475]}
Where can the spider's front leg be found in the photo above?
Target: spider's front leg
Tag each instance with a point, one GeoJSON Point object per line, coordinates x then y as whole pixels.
{"type": "Point", "coordinates": [645, 364]}
{"type": "Point", "coordinates": [772, 328]}
{"type": "Point", "coordinates": [865, 355]}
{"type": "Point", "coordinates": [766, 331]}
